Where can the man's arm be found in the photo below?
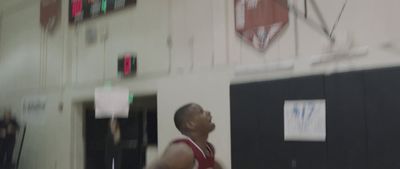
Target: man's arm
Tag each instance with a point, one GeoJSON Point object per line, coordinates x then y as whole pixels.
{"type": "Point", "coordinates": [177, 156]}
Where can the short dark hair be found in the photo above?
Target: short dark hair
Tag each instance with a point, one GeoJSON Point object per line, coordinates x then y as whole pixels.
{"type": "Point", "coordinates": [181, 116]}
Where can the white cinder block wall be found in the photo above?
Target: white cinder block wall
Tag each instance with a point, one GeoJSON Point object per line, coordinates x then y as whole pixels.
{"type": "Point", "coordinates": [64, 69]}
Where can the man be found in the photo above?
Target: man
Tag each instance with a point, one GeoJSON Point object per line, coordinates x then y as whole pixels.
{"type": "Point", "coordinates": [10, 126]}
{"type": "Point", "coordinates": [193, 152]}
{"type": "Point", "coordinates": [113, 151]}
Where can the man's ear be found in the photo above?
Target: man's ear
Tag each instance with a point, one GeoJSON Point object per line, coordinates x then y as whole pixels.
{"type": "Point", "coordinates": [190, 125]}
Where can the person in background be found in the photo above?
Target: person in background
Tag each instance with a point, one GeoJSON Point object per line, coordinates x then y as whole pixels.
{"type": "Point", "coordinates": [113, 151]}
{"type": "Point", "coordinates": [2, 138]}
{"type": "Point", "coordinates": [193, 151]}
{"type": "Point", "coordinates": [8, 131]}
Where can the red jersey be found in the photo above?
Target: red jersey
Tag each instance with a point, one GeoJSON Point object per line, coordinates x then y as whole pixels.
{"type": "Point", "coordinates": [202, 161]}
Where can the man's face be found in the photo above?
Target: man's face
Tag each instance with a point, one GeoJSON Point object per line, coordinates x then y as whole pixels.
{"type": "Point", "coordinates": [202, 119]}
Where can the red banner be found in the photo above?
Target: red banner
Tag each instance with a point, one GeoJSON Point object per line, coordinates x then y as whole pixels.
{"type": "Point", "coordinates": [258, 21]}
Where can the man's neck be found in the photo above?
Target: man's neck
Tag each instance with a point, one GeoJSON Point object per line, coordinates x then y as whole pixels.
{"type": "Point", "coordinates": [199, 139]}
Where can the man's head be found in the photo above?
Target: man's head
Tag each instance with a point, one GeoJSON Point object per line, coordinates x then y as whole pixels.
{"type": "Point", "coordinates": [7, 115]}
{"type": "Point", "coordinates": [192, 118]}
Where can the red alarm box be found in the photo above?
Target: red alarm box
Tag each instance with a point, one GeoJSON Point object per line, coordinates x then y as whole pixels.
{"type": "Point", "coordinates": [127, 64]}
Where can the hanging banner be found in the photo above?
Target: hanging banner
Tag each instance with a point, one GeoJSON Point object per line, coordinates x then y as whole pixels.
{"type": "Point", "coordinates": [111, 102]}
{"type": "Point", "coordinates": [305, 120]}
{"type": "Point", "coordinates": [34, 109]}
{"type": "Point", "coordinates": [258, 21]}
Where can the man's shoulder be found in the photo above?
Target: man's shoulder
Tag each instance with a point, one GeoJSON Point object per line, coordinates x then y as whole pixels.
{"type": "Point", "coordinates": [180, 150]}
{"type": "Point", "coordinates": [181, 143]}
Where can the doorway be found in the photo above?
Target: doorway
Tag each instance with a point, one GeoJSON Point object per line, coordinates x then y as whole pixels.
{"type": "Point", "coordinates": [138, 131]}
